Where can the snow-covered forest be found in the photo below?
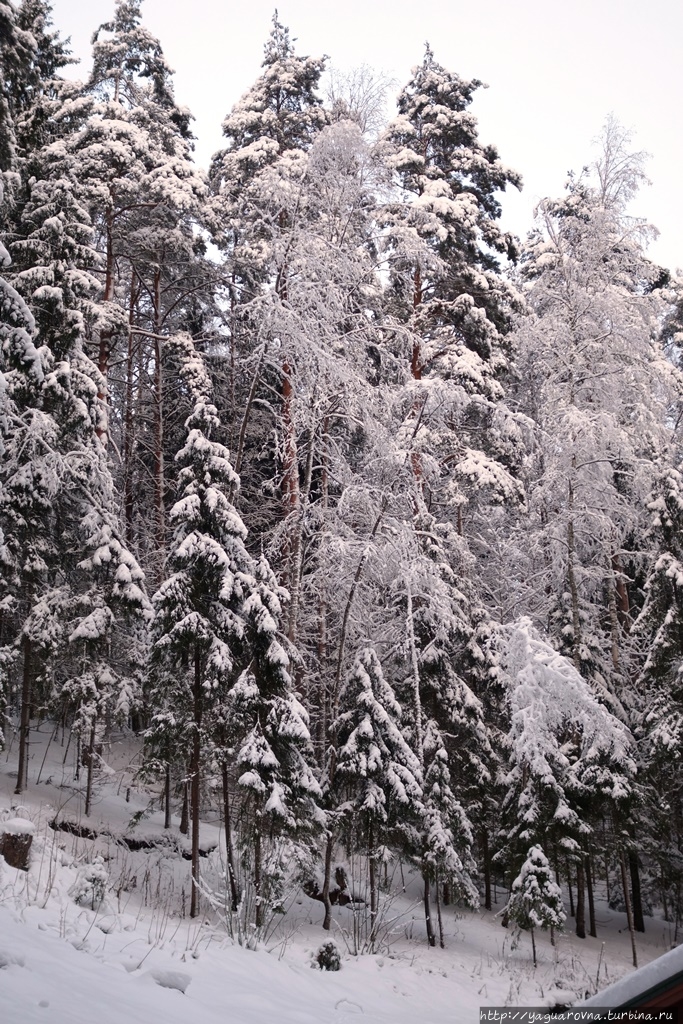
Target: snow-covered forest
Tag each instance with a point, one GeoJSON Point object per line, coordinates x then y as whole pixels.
{"type": "Point", "coordinates": [359, 515]}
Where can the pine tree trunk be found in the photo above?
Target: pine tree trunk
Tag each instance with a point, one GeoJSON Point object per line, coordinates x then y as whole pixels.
{"type": "Point", "coordinates": [185, 810]}
{"type": "Point", "coordinates": [629, 913]}
{"type": "Point", "coordinates": [623, 602]}
{"type": "Point", "coordinates": [417, 700]}
{"type": "Point", "coordinates": [129, 416]}
{"type": "Point", "coordinates": [229, 855]}
{"type": "Point", "coordinates": [258, 881]}
{"type": "Point", "coordinates": [374, 896]}
{"type": "Point", "coordinates": [329, 849]}
{"type": "Point", "coordinates": [297, 545]}
{"type": "Point", "coordinates": [104, 353]}
{"type": "Point", "coordinates": [573, 587]}
{"type": "Point", "coordinates": [638, 918]}
{"type": "Point", "coordinates": [487, 868]}
{"type": "Point", "coordinates": [569, 886]}
{"type": "Point", "coordinates": [158, 408]}
{"type": "Point", "coordinates": [592, 930]}
{"type": "Point", "coordinates": [25, 719]}
{"type": "Point", "coordinates": [431, 938]}
{"type": "Point", "coordinates": [290, 468]}
{"type": "Point", "coordinates": [196, 758]}
{"type": "Point", "coordinates": [533, 946]}
{"type": "Point", "coordinates": [167, 796]}
{"type": "Point", "coordinates": [91, 758]}
{"type": "Point", "coordinates": [438, 913]}
{"type": "Point", "coordinates": [580, 899]}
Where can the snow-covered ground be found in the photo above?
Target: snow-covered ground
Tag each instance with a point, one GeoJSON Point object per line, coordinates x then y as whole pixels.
{"type": "Point", "coordinates": [138, 958]}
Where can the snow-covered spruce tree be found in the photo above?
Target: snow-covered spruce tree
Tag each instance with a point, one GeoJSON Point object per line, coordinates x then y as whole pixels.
{"type": "Point", "coordinates": [214, 614]}
{"type": "Point", "coordinates": [374, 775]}
{"type": "Point", "coordinates": [536, 900]}
{"type": "Point", "coordinates": [569, 760]}
{"type": "Point", "coordinates": [267, 727]}
{"type": "Point", "coordinates": [29, 479]}
{"type": "Point", "coordinates": [446, 833]}
{"type": "Point", "coordinates": [197, 627]}
{"type": "Point", "coordinates": [659, 631]}
{"type": "Point", "coordinates": [107, 637]}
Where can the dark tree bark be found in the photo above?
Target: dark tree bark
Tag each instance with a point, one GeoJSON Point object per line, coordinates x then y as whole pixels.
{"type": "Point", "coordinates": [91, 759]}
{"type": "Point", "coordinates": [196, 759]}
{"type": "Point", "coordinates": [327, 903]}
{"type": "Point", "coordinates": [634, 870]}
{"type": "Point", "coordinates": [580, 900]}
{"type": "Point", "coordinates": [229, 856]}
{"type": "Point", "coordinates": [487, 868]}
{"type": "Point", "coordinates": [167, 796]}
{"type": "Point", "coordinates": [185, 811]}
{"type": "Point", "coordinates": [431, 938]}
{"type": "Point", "coordinates": [629, 912]}
{"type": "Point", "coordinates": [569, 886]}
{"type": "Point", "coordinates": [592, 930]}
{"type": "Point", "coordinates": [25, 720]}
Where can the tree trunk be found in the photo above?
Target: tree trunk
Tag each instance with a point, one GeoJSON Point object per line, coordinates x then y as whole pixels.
{"type": "Point", "coordinates": [573, 586]}
{"type": "Point", "coordinates": [104, 352]}
{"type": "Point", "coordinates": [638, 919]}
{"type": "Point", "coordinates": [592, 930]}
{"type": "Point", "coordinates": [533, 946]}
{"type": "Point", "coordinates": [431, 938]}
{"type": "Point", "coordinates": [329, 849]}
{"type": "Point", "coordinates": [623, 602]}
{"type": "Point", "coordinates": [290, 465]}
{"type": "Point", "coordinates": [158, 408]}
{"type": "Point", "coordinates": [129, 416]}
{"type": "Point", "coordinates": [167, 796]}
{"type": "Point", "coordinates": [91, 758]}
{"type": "Point", "coordinates": [627, 901]}
{"type": "Point", "coordinates": [25, 720]}
{"type": "Point", "coordinates": [229, 856]}
{"type": "Point", "coordinates": [487, 868]}
{"type": "Point", "coordinates": [258, 881]}
{"type": "Point", "coordinates": [185, 811]}
{"type": "Point", "coordinates": [196, 756]}
{"type": "Point", "coordinates": [569, 886]}
{"type": "Point", "coordinates": [374, 896]}
{"type": "Point", "coordinates": [580, 899]}
{"type": "Point", "coordinates": [438, 913]}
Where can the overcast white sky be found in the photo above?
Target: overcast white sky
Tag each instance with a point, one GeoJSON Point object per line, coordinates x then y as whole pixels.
{"type": "Point", "coordinates": [554, 69]}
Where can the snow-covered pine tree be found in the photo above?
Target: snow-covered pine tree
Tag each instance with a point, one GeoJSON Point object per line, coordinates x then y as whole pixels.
{"type": "Point", "coordinates": [374, 775]}
{"type": "Point", "coordinates": [443, 247]}
{"type": "Point", "coordinates": [536, 900]}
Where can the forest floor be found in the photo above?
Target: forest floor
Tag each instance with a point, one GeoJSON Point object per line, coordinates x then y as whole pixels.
{"type": "Point", "coordinates": [140, 958]}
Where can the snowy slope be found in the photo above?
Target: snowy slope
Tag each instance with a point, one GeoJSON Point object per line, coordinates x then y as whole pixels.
{"type": "Point", "coordinates": [138, 959]}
